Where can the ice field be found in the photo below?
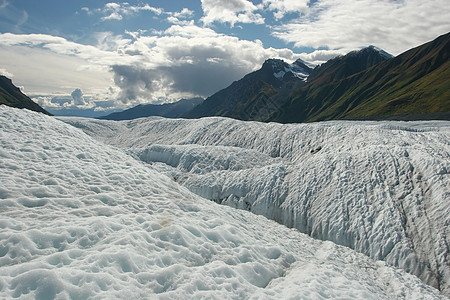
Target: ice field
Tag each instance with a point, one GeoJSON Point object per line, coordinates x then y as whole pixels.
{"type": "Point", "coordinates": [123, 211]}
{"type": "Point", "coordinates": [381, 188]}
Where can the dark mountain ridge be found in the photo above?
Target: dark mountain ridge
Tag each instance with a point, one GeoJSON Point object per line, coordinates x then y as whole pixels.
{"type": "Point", "coordinates": [256, 95]}
{"type": "Point", "coordinates": [366, 84]}
{"type": "Point", "coordinates": [167, 110]}
{"type": "Point", "coordinates": [414, 85]}
{"type": "Point", "coordinates": [262, 94]}
{"type": "Point", "coordinates": [11, 95]}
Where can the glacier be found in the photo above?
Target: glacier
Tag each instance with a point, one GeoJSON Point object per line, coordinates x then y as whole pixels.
{"type": "Point", "coordinates": [90, 216]}
{"type": "Point", "coordinates": [380, 188]}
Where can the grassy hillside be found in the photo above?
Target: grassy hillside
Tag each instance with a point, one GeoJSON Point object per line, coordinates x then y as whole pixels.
{"type": "Point", "coordinates": [254, 97]}
{"type": "Point", "coordinates": [416, 82]}
{"type": "Point", "coordinates": [10, 95]}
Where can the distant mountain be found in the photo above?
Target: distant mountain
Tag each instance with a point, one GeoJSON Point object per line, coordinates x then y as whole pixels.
{"type": "Point", "coordinates": [11, 95]}
{"type": "Point", "coordinates": [168, 110]}
{"type": "Point", "coordinates": [257, 95]}
{"type": "Point", "coordinates": [412, 86]}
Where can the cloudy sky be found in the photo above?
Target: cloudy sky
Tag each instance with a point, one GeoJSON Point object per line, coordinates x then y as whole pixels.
{"type": "Point", "coordinates": [91, 57]}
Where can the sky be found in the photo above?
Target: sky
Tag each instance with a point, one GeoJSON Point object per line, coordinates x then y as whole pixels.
{"type": "Point", "coordinates": [90, 58]}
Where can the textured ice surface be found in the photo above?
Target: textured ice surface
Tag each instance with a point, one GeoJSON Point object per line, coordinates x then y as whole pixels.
{"type": "Point", "coordinates": [381, 188]}
{"type": "Point", "coordinates": [80, 219]}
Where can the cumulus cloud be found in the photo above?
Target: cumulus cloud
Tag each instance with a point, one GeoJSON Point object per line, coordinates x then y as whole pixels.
{"type": "Point", "coordinates": [230, 11]}
{"type": "Point", "coordinates": [394, 26]}
{"type": "Point", "coordinates": [184, 13]}
{"type": "Point", "coordinates": [189, 61]}
{"type": "Point", "coordinates": [76, 100]}
{"type": "Point", "coordinates": [57, 101]}
{"type": "Point", "coordinates": [144, 66]}
{"type": "Point", "coordinates": [4, 72]}
{"type": "Point", "coordinates": [318, 57]}
{"type": "Point", "coordinates": [183, 17]}
{"type": "Point", "coordinates": [283, 7]}
{"type": "Point", "coordinates": [77, 97]}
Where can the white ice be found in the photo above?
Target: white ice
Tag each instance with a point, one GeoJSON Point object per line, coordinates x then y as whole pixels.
{"type": "Point", "coordinates": [84, 220]}
{"type": "Point", "coordinates": [381, 188]}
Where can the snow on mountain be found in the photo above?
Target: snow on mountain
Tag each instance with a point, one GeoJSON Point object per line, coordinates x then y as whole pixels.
{"type": "Point", "coordinates": [381, 188]}
{"type": "Point", "coordinates": [297, 69]}
{"type": "Point", "coordinates": [381, 51]}
{"type": "Point", "coordinates": [81, 219]}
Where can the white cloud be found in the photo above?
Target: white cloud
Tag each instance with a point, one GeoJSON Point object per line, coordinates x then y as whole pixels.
{"type": "Point", "coordinates": [177, 21]}
{"type": "Point", "coordinates": [155, 10]}
{"type": "Point", "coordinates": [4, 72]}
{"type": "Point", "coordinates": [183, 17]}
{"type": "Point", "coordinates": [182, 61]}
{"type": "Point", "coordinates": [318, 57]}
{"type": "Point", "coordinates": [77, 97]}
{"type": "Point", "coordinates": [63, 104]}
{"type": "Point", "coordinates": [283, 7]}
{"type": "Point", "coordinates": [112, 16]}
{"type": "Point", "coordinates": [46, 65]}
{"type": "Point", "coordinates": [117, 11]}
{"type": "Point", "coordinates": [394, 26]}
{"type": "Point", "coordinates": [190, 61]}
{"type": "Point", "coordinates": [230, 11]}
{"type": "Point", "coordinates": [89, 54]}
{"type": "Point", "coordinates": [108, 41]}
{"type": "Point", "coordinates": [184, 13]}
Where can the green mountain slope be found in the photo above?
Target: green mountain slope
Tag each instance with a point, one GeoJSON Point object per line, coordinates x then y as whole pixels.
{"type": "Point", "coordinates": [262, 95]}
{"type": "Point", "coordinates": [413, 85]}
{"type": "Point", "coordinates": [10, 95]}
{"type": "Point", "coordinates": [257, 96]}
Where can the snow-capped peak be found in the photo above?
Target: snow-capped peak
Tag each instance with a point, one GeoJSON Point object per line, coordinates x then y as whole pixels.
{"type": "Point", "coordinates": [280, 68]}
{"type": "Point", "coordinates": [381, 51]}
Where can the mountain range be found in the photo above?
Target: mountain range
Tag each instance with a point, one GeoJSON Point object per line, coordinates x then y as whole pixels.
{"type": "Point", "coordinates": [368, 84]}
{"type": "Point", "coordinates": [364, 84]}
{"type": "Point", "coordinates": [412, 85]}
{"type": "Point", "coordinates": [167, 110]}
{"type": "Point", "coordinates": [251, 97]}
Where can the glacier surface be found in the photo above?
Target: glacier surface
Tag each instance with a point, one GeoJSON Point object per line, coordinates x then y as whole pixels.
{"type": "Point", "coordinates": [81, 219]}
{"type": "Point", "coordinates": [381, 188]}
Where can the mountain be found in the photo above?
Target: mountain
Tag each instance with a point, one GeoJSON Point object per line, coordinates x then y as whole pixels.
{"type": "Point", "coordinates": [413, 85]}
{"type": "Point", "coordinates": [343, 66]}
{"type": "Point", "coordinates": [257, 95]}
{"type": "Point", "coordinates": [11, 95]}
{"type": "Point", "coordinates": [167, 110]}
{"type": "Point", "coordinates": [364, 84]}
{"type": "Point", "coordinates": [380, 188]}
